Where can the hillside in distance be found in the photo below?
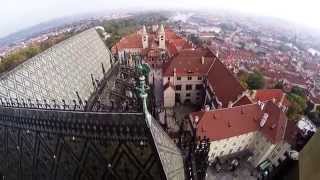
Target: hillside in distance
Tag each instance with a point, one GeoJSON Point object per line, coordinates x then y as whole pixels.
{"type": "Point", "coordinates": [43, 27]}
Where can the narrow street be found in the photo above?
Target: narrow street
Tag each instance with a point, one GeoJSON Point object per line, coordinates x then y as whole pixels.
{"type": "Point", "coordinates": [158, 87]}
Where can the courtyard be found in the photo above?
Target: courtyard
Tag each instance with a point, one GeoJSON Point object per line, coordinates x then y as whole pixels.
{"type": "Point", "coordinates": [244, 170]}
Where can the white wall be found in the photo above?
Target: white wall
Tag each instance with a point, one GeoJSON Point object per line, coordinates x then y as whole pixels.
{"type": "Point", "coordinates": [169, 97]}
{"type": "Point", "coordinates": [279, 153]}
{"type": "Point", "coordinates": [261, 149]}
{"type": "Point", "coordinates": [195, 95]}
{"type": "Point", "coordinates": [255, 142]}
{"type": "Point", "coordinates": [230, 145]}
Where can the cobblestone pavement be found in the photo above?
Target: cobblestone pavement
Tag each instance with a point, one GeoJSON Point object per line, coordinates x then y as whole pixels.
{"type": "Point", "coordinates": [177, 114]}
{"type": "Point", "coordinates": [243, 172]}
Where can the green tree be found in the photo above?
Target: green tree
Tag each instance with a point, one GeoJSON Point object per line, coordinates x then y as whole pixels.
{"type": "Point", "coordinates": [255, 80]}
{"type": "Point", "coordinates": [278, 85]}
{"type": "Point", "coordinates": [298, 105]}
{"type": "Point", "coordinates": [243, 76]}
{"type": "Point", "coordinates": [297, 90]}
{"type": "Point", "coordinates": [18, 57]}
{"type": "Point", "coordinates": [195, 39]}
{"type": "Point", "coordinates": [31, 51]}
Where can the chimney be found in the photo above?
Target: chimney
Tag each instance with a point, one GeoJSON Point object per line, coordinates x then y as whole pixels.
{"type": "Point", "coordinates": [264, 119]}
{"type": "Point", "coordinates": [262, 106]}
{"type": "Point", "coordinates": [174, 72]}
{"type": "Point", "coordinates": [214, 116]}
{"type": "Point", "coordinates": [196, 119]}
{"type": "Point", "coordinates": [229, 124]}
{"type": "Point", "coordinates": [202, 60]}
{"type": "Point", "coordinates": [207, 108]}
{"type": "Point", "coordinates": [254, 92]}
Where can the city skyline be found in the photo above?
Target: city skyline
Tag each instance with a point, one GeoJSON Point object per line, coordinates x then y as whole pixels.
{"type": "Point", "coordinates": [34, 12]}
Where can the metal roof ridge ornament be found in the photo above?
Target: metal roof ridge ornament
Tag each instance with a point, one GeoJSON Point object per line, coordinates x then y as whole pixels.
{"type": "Point", "coordinates": [142, 93]}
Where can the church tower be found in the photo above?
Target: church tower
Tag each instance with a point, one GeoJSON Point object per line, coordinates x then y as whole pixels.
{"type": "Point", "coordinates": [162, 38]}
{"type": "Point", "coordinates": [144, 37]}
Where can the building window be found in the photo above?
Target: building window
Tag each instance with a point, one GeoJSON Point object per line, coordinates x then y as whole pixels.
{"type": "Point", "coordinates": [189, 78]}
{"type": "Point", "coordinates": [188, 87]}
{"type": "Point", "coordinates": [198, 94]}
{"type": "Point", "coordinates": [199, 86]}
{"type": "Point", "coordinates": [188, 94]}
{"type": "Point", "coordinates": [212, 155]}
{"type": "Point", "coordinates": [178, 87]}
{"type": "Point", "coordinates": [221, 153]}
{"type": "Point", "coordinates": [225, 145]}
{"type": "Point", "coordinates": [199, 78]}
{"type": "Point", "coordinates": [179, 78]}
{"type": "Point", "coordinates": [234, 144]}
{"type": "Point", "coordinates": [168, 78]}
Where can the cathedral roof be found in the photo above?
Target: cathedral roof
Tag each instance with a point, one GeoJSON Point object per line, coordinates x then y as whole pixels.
{"type": "Point", "coordinates": [60, 71]}
{"type": "Point", "coordinates": [89, 144]}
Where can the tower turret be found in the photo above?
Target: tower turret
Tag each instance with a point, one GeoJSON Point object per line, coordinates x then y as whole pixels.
{"type": "Point", "coordinates": [162, 37]}
{"type": "Point", "coordinates": [144, 37]}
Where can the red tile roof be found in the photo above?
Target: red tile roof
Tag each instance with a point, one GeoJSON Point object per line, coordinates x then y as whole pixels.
{"type": "Point", "coordinates": [224, 84]}
{"type": "Point", "coordinates": [275, 127]}
{"type": "Point", "coordinates": [133, 40]}
{"type": "Point", "coordinates": [174, 43]}
{"type": "Point", "coordinates": [170, 34]}
{"type": "Point", "coordinates": [225, 123]}
{"type": "Point", "coordinates": [226, 87]}
{"type": "Point", "coordinates": [243, 101]}
{"type": "Point", "coordinates": [172, 49]}
{"type": "Point", "coordinates": [180, 43]}
{"type": "Point", "coordinates": [270, 94]}
{"type": "Point", "coordinates": [188, 62]}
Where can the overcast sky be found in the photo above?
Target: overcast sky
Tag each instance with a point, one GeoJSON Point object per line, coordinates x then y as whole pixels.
{"type": "Point", "coordinates": [18, 14]}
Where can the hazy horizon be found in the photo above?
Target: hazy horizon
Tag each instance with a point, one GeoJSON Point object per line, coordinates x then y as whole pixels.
{"type": "Point", "coordinates": [18, 15]}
